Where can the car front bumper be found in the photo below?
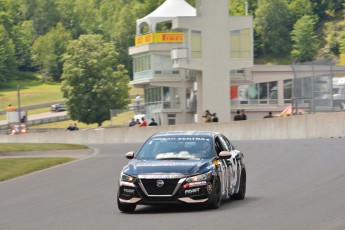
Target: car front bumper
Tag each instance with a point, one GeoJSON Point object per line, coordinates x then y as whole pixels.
{"type": "Point", "coordinates": [149, 191]}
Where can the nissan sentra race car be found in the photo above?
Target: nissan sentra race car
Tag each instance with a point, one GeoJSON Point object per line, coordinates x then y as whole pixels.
{"type": "Point", "coordinates": [187, 167]}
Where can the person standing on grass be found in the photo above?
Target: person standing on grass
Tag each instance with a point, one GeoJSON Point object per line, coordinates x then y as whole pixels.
{"type": "Point", "coordinates": [70, 127]}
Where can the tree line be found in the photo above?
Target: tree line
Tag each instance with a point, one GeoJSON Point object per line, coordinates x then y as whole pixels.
{"type": "Point", "coordinates": [297, 30]}
{"type": "Point", "coordinates": [34, 34]}
{"type": "Point", "coordinates": [84, 43]}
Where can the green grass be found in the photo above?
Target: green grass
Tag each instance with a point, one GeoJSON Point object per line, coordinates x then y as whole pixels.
{"type": "Point", "coordinates": [18, 147]}
{"type": "Point", "coordinates": [31, 93]}
{"type": "Point", "coordinates": [37, 92]}
{"type": "Point", "coordinates": [15, 167]}
{"type": "Point", "coordinates": [30, 112]}
{"type": "Point", "coordinates": [121, 119]}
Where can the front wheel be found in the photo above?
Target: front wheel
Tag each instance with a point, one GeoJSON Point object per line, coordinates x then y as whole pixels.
{"type": "Point", "coordinates": [215, 200]}
{"type": "Point", "coordinates": [242, 189]}
{"type": "Point", "coordinates": [125, 207]}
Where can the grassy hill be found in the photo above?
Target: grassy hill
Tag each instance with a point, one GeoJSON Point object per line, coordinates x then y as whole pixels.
{"type": "Point", "coordinates": [33, 92]}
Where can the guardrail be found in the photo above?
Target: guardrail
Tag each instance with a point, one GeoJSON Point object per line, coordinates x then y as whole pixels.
{"type": "Point", "coordinates": [6, 129]}
{"type": "Point", "coordinates": [30, 107]}
{"type": "Point", "coordinates": [324, 125]}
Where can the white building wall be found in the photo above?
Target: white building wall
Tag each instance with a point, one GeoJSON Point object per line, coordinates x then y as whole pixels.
{"type": "Point", "coordinates": [214, 93]}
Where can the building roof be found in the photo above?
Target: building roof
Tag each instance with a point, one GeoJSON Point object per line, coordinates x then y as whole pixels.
{"type": "Point", "coordinates": [166, 12]}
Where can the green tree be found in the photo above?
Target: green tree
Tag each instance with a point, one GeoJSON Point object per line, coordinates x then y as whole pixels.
{"type": "Point", "coordinates": [325, 9]}
{"type": "Point", "coordinates": [272, 26]}
{"type": "Point", "coordinates": [305, 41]}
{"type": "Point", "coordinates": [60, 37]}
{"type": "Point", "coordinates": [45, 16]}
{"type": "Point", "coordinates": [297, 11]}
{"type": "Point", "coordinates": [237, 7]}
{"type": "Point", "coordinates": [23, 37]}
{"type": "Point", "coordinates": [86, 16]}
{"type": "Point", "coordinates": [68, 17]}
{"type": "Point", "coordinates": [124, 36]}
{"type": "Point", "coordinates": [151, 5]}
{"type": "Point", "coordinates": [6, 20]}
{"type": "Point", "coordinates": [43, 55]}
{"type": "Point", "coordinates": [16, 9]}
{"type": "Point", "coordinates": [91, 86]}
{"type": "Point", "coordinates": [108, 14]}
{"type": "Point", "coordinates": [7, 55]}
{"type": "Point", "coordinates": [342, 42]}
{"type": "Point", "coordinates": [47, 51]}
{"type": "Point", "coordinates": [332, 35]}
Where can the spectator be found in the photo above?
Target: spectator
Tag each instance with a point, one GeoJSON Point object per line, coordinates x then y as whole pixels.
{"type": "Point", "coordinates": [269, 115]}
{"type": "Point", "coordinates": [23, 119]}
{"type": "Point", "coordinates": [143, 122]}
{"type": "Point", "coordinates": [244, 116]}
{"type": "Point", "coordinates": [214, 117]}
{"type": "Point", "coordinates": [137, 123]}
{"type": "Point", "coordinates": [71, 127]}
{"type": "Point", "coordinates": [153, 122]}
{"type": "Point", "coordinates": [10, 108]}
{"type": "Point", "coordinates": [238, 116]}
{"type": "Point", "coordinates": [207, 116]}
{"type": "Point", "coordinates": [132, 123]}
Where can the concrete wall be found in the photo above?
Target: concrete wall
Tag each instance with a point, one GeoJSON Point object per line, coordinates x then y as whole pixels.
{"type": "Point", "coordinates": [325, 125]}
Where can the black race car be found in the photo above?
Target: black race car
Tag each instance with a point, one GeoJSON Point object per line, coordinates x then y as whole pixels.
{"type": "Point", "coordinates": [193, 167]}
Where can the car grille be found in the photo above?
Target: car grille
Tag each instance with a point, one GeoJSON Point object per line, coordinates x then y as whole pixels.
{"type": "Point", "coordinates": [151, 187]}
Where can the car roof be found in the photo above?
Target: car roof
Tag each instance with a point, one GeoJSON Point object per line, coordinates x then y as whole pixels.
{"type": "Point", "coordinates": [186, 133]}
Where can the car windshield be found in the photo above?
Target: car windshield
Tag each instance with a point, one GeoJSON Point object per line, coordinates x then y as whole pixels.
{"type": "Point", "coordinates": [177, 148]}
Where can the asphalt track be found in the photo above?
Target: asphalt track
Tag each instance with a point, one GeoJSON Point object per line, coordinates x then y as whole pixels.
{"type": "Point", "coordinates": [291, 184]}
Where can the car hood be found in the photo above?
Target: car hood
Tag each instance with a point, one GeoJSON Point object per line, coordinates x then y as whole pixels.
{"type": "Point", "coordinates": [183, 167]}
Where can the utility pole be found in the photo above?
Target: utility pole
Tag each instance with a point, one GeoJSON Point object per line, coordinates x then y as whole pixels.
{"type": "Point", "coordinates": [19, 112]}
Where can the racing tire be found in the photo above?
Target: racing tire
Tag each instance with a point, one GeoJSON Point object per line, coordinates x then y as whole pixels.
{"type": "Point", "coordinates": [215, 200]}
{"type": "Point", "coordinates": [128, 208]}
{"type": "Point", "coordinates": [242, 189]}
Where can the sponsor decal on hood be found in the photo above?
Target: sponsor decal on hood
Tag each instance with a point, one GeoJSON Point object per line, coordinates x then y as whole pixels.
{"type": "Point", "coordinates": [164, 163]}
{"type": "Point", "coordinates": [190, 167]}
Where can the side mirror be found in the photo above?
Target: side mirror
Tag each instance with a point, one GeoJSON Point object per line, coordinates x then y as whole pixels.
{"type": "Point", "coordinates": [130, 155]}
{"type": "Point", "coordinates": [225, 154]}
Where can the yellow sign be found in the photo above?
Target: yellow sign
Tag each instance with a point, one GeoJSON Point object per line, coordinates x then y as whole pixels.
{"type": "Point", "coordinates": [159, 38]}
{"type": "Point", "coordinates": [143, 39]}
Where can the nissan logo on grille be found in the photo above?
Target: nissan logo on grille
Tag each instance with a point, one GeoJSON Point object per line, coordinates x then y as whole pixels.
{"type": "Point", "coordinates": [160, 183]}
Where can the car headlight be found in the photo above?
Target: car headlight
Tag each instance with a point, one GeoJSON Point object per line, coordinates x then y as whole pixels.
{"type": "Point", "coordinates": [127, 178]}
{"type": "Point", "coordinates": [201, 177]}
